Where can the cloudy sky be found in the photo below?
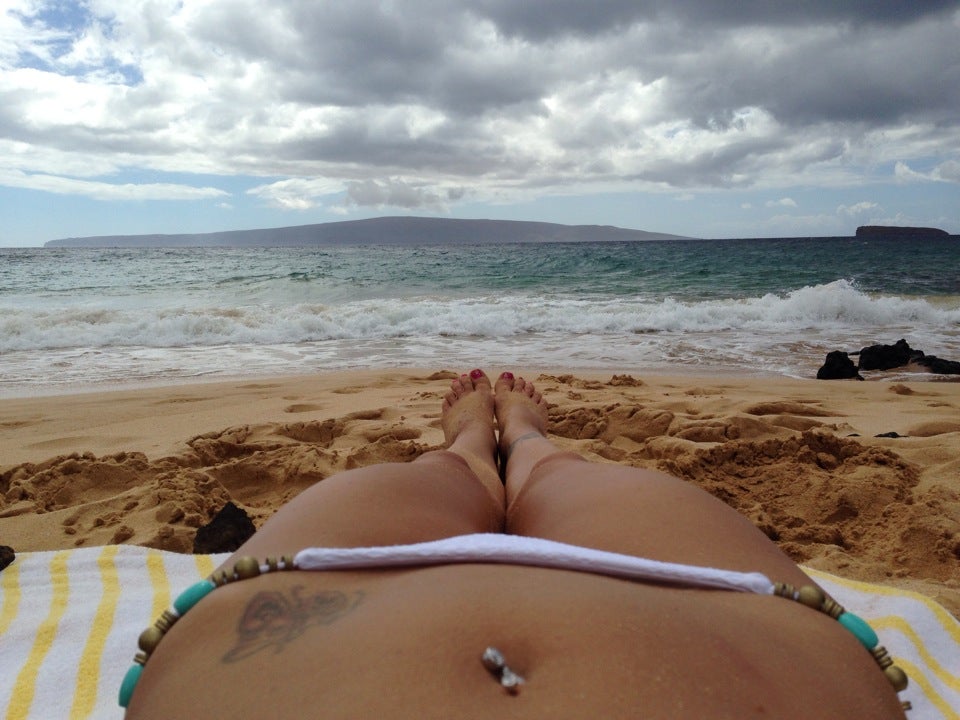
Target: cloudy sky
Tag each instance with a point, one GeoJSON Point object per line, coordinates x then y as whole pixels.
{"type": "Point", "coordinates": [694, 117]}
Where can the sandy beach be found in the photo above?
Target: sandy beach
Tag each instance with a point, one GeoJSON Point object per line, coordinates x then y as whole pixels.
{"type": "Point", "coordinates": [801, 458]}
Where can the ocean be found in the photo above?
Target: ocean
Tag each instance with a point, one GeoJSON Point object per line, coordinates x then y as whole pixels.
{"type": "Point", "coordinates": [76, 319]}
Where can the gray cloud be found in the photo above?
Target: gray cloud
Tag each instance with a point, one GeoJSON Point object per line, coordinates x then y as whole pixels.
{"type": "Point", "coordinates": [547, 18]}
{"type": "Point", "coordinates": [392, 193]}
{"type": "Point", "coordinates": [410, 104]}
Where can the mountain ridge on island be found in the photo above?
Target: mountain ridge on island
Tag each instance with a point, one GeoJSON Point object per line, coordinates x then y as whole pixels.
{"type": "Point", "coordinates": [393, 230]}
{"type": "Point", "coordinates": [899, 231]}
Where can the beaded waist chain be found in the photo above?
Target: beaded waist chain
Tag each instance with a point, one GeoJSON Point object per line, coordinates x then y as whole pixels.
{"type": "Point", "coordinates": [513, 550]}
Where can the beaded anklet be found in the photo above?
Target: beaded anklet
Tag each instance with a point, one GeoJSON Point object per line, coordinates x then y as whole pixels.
{"type": "Point", "coordinates": [248, 567]}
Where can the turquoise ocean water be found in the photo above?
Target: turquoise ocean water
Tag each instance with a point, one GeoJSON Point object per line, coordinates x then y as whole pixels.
{"type": "Point", "coordinates": [75, 318]}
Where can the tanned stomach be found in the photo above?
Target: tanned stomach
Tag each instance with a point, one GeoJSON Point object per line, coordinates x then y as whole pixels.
{"type": "Point", "coordinates": [409, 643]}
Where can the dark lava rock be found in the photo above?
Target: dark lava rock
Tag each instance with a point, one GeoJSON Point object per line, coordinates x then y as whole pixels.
{"type": "Point", "coordinates": [7, 556]}
{"type": "Point", "coordinates": [838, 366]}
{"type": "Point", "coordinates": [229, 529]}
{"type": "Point", "coordinates": [884, 357]}
{"type": "Point", "coordinates": [936, 365]}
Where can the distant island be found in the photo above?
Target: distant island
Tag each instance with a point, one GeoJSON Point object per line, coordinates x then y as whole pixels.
{"type": "Point", "coordinates": [379, 231]}
{"type": "Point", "coordinates": [896, 231]}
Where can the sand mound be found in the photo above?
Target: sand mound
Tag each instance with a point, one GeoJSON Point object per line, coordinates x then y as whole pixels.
{"type": "Point", "coordinates": [819, 495]}
{"type": "Point", "coordinates": [82, 499]}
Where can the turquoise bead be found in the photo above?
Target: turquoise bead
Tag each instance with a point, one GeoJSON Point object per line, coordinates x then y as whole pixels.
{"type": "Point", "coordinates": [192, 595]}
{"type": "Point", "coordinates": [860, 629]}
{"type": "Point", "coordinates": [130, 681]}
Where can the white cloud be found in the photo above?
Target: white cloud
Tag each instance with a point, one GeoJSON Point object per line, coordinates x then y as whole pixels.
{"type": "Point", "coordinates": [107, 191]}
{"type": "Point", "coordinates": [19, 36]}
{"type": "Point", "coordinates": [948, 171]}
{"type": "Point", "coordinates": [782, 202]}
{"type": "Point", "coordinates": [903, 173]}
{"type": "Point", "coordinates": [857, 208]}
{"type": "Point", "coordinates": [297, 193]}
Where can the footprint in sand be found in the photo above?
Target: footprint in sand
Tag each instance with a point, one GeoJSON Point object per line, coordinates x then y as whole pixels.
{"type": "Point", "coordinates": [395, 432]}
{"type": "Point", "coordinates": [180, 400]}
{"type": "Point", "coordinates": [319, 432]}
{"type": "Point", "coordinates": [936, 427]}
{"type": "Point", "coordinates": [787, 408]}
{"type": "Point", "coordinates": [386, 449]}
{"type": "Point", "coordinates": [302, 408]}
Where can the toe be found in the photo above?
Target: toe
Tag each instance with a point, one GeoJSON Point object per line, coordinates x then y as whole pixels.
{"type": "Point", "coordinates": [460, 385]}
{"type": "Point", "coordinates": [523, 386]}
{"type": "Point", "coordinates": [479, 378]}
{"type": "Point", "coordinates": [504, 382]}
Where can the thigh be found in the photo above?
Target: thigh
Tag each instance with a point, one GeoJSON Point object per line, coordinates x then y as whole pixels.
{"type": "Point", "coordinates": [644, 513]}
{"type": "Point", "coordinates": [434, 497]}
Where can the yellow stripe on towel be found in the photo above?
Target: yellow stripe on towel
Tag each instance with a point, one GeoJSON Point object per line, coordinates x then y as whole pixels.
{"type": "Point", "coordinates": [900, 625]}
{"type": "Point", "coordinates": [26, 684]}
{"type": "Point", "coordinates": [160, 583]}
{"type": "Point", "coordinates": [917, 679]}
{"type": "Point", "coordinates": [88, 680]}
{"type": "Point", "coordinates": [205, 565]}
{"type": "Point", "coordinates": [10, 582]}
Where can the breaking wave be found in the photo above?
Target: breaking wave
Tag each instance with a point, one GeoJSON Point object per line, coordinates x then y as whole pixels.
{"type": "Point", "coordinates": [831, 307]}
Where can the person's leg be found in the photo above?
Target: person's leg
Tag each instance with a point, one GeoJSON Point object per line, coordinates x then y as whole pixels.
{"type": "Point", "coordinates": [442, 493]}
{"type": "Point", "coordinates": [560, 496]}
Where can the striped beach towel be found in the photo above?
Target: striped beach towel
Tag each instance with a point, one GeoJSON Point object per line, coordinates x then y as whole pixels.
{"type": "Point", "coordinates": [69, 621]}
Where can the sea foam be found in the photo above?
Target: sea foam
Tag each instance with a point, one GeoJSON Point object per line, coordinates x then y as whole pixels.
{"type": "Point", "coordinates": [832, 307]}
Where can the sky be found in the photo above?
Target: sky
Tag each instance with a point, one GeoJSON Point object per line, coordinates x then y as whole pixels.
{"type": "Point", "coordinates": [693, 117]}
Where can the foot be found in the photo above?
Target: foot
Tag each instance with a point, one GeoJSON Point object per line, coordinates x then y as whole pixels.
{"type": "Point", "coordinates": [522, 415]}
{"type": "Point", "coordinates": [521, 412]}
{"type": "Point", "coordinates": [467, 421]}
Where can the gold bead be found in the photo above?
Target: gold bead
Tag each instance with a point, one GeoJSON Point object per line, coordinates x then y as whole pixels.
{"type": "Point", "coordinates": [246, 568]}
{"type": "Point", "coordinates": [140, 658]}
{"type": "Point", "coordinates": [287, 561]}
{"type": "Point", "coordinates": [165, 621]}
{"type": "Point", "coordinates": [150, 638]}
{"type": "Point", "coordinates": [272, 564]}
{"type": "Point", "coordinates": [811, 596]}
{"type": "Point", "coordinates": [784, 590]}
{"type": "Point", "coordinates": [906, 705]}
{"type": "Point", "coordinates": [220, 578]}
{"type": "Point", "coordinates": [897, 677]}
{"type": "Point", "coordinates": [832, 608]}
{"type": "Point", "coordinates": [882, 657]}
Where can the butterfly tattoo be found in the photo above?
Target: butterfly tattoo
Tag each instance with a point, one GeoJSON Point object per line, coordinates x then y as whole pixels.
{"type": "Point", "coordinates": [273, 619]}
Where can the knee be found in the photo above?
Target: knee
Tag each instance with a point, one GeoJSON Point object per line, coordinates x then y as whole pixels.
{"type": "Point", "coordinates": [556, 464]}
{"type": "Point", "coordinates": [445, 457]}
{"type": "Point", "coordinates": [556, 467]}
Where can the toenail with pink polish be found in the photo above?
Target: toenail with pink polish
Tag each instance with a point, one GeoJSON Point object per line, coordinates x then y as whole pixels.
{"type": "Point", "coordinates": [507, 376]}
{"type": "Point", "coordinates": [476, 374]}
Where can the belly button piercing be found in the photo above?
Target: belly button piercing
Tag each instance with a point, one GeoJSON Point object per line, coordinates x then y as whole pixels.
{"type": "Point", "coordinates": [494, 662]}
